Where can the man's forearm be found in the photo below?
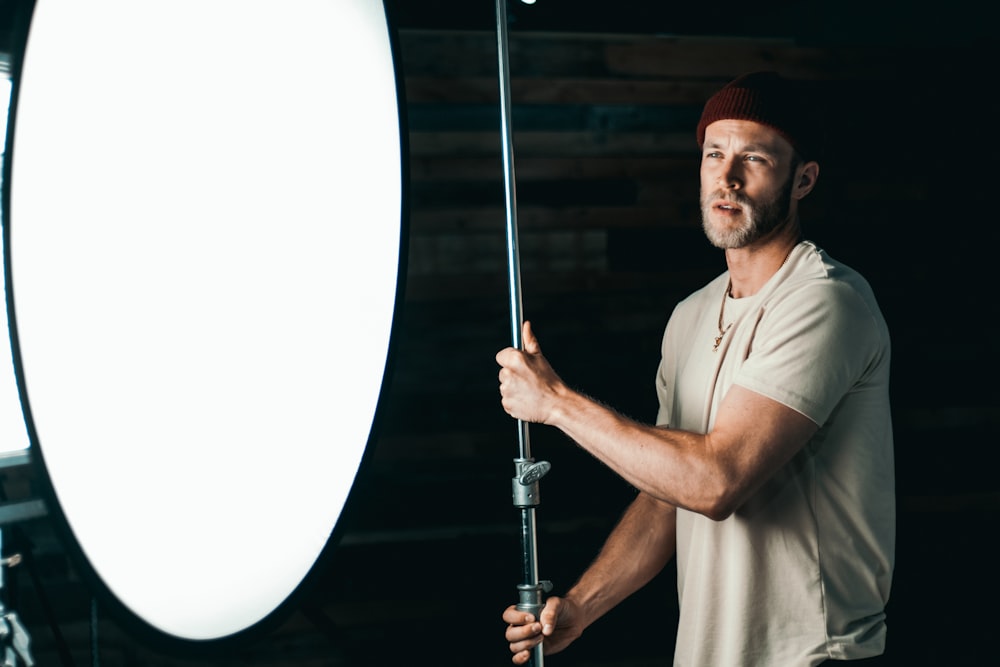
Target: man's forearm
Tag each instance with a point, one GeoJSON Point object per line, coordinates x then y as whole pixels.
{"type": "Point", "coordinates": [638, 548]}
{"type": "Point", "coordinates": [667, 464]}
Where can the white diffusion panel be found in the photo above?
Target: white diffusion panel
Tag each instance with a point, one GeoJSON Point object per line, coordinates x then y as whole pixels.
{"type": "Point", "coordinates": [205, 241]}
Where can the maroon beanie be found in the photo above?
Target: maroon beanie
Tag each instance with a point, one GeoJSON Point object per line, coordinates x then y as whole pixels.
{"type": "Point", "coordinates": [769, 99]}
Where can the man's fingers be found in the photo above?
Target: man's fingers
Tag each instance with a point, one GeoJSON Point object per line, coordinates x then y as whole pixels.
{"type": "Point", "coordinates": [524, 632]}
{"type": "Point", "coordinates": [522, 649]}
{"type": "Point", "coordinates": [514, 617]}
{"type": "Point", "coordinates": [521, 658]}
{"type": "Point", "coordinates": [516, 633]}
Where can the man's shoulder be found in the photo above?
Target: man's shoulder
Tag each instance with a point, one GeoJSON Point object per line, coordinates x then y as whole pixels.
{"type": "Point", "coordinates": [820, 278]}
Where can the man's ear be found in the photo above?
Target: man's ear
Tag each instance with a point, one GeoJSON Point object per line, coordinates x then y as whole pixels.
{"type": "Point", "coordinates": [805, 179]}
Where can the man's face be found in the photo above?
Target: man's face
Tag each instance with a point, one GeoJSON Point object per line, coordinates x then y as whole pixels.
{"type": "Point", "coordinates": [746, 182]}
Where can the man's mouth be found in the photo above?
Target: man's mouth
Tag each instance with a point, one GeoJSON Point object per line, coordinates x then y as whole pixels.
{"type": "Point", "coordinates": [726, 206]}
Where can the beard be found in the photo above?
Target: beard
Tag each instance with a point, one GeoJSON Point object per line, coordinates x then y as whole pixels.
{"type": "Point", "coordinates": [760, 218]}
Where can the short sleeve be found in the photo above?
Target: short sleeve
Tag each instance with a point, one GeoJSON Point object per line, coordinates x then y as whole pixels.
{"type": "Point", "coordinates": [811, 346]}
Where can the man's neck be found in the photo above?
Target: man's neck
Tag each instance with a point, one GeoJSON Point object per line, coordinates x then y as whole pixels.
{"type": "Point", "coordinates": [752, 266]}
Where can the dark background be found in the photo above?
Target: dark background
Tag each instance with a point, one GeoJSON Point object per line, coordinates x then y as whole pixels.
{"type": "Point", "coordinates": [606, 97]}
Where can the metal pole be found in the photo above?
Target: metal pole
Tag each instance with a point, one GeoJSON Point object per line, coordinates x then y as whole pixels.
{"type": "Point", "coordinates": [527, 472]}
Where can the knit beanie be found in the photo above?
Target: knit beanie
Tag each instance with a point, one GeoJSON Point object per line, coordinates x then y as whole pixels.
{"type": "Point", "coordinates": [782, 104]}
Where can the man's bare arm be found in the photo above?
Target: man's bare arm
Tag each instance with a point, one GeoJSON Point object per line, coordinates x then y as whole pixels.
{"type": "Point", "coordinates": [712, 474]}
{"type": "Point", "coordinates": [639, 547]}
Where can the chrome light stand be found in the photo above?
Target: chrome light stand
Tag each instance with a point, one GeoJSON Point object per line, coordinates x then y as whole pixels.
{"type": "Point", "coordinates": [527, 472]}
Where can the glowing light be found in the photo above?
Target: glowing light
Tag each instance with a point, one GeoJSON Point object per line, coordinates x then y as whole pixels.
{"type": "Point", "coordinates": [205, 239]}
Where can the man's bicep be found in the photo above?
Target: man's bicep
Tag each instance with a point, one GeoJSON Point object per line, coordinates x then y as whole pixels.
{"type": "Point", "coordinates": [753, 437]}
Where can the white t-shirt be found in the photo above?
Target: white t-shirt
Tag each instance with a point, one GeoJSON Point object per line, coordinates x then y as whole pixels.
{"type": "Point", "coordinates": [801, 572]}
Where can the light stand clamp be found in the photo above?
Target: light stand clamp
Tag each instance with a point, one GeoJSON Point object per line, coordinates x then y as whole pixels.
{"type": "Point", "coordinates": [524, 485]}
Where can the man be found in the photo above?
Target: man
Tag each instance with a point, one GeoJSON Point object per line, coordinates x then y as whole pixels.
{"type": "Point", "coordinates": [769, 474]}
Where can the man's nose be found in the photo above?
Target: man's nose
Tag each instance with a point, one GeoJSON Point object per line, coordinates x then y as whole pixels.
{"type": "Point", "coordinates": [731, 176]}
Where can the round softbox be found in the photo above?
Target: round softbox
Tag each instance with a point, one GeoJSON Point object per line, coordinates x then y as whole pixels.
{"type": "Point", "coordinates": [203, 234]}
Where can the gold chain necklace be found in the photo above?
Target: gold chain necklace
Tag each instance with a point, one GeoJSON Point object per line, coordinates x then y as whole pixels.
{"type": "Point", "coordinates": [722, 308]}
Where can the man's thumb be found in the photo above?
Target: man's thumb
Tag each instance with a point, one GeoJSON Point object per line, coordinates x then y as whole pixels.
{"type": "Point", "coordinates": [529, 341]}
